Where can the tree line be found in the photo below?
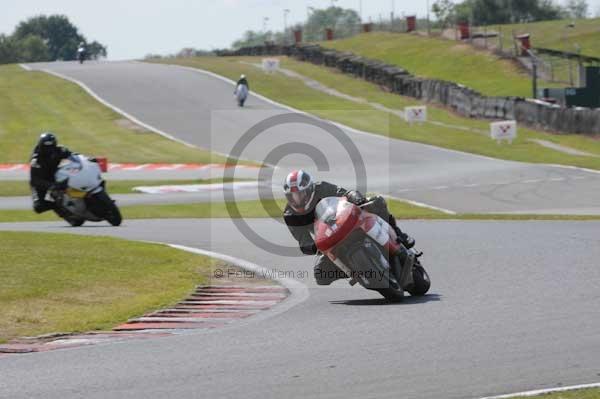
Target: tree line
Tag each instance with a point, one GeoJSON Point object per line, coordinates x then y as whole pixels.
{"type": "Point", "coordinates": [346, 22]}
{"type": "Point", "coordinates": [46, 38]}
{"type": "Point", "coordinates": [493, 12]}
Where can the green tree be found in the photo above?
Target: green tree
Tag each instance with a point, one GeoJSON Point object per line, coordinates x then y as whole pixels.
{"type": "Point", "coordinates": [32, 48]}
{"type": "Point", "coordinates": [486, 12]}
{"type": "Point", "coordinates": [253, 38]}
{"type": "Point", "coordinates": [577, 8]}
{"type": "Point", "coordinates": [344, 22]}
{"type": "Point", "coordinates": [444, 12]}
{"type": "Point", "coordinates": [9, 50]}
{"type": "Point", "coordinates": [96, 50]}
{"type": "Point", "coordinates": [60, 35]}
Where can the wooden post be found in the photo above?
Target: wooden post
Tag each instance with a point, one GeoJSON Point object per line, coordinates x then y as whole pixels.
{"type": "Point", "coordinates": [485, 36]}
{"type": "Point", "coordinates": [500, 38]}
{"type": "Point", "coordinates": [571, 72]}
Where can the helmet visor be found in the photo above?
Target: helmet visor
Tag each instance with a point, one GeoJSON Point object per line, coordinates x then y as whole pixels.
{"type": "Point", "coordinates": [300, 201]}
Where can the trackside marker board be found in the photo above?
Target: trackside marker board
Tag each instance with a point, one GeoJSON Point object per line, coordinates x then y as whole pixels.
{"type": "Point", "coordinates": [415, 114]}
{"type": "Point", "coordinates": [270, 65]}
{"type": "Point", "coordinates": [503, 130]}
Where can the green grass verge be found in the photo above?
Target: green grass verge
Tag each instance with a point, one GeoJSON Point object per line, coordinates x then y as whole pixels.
{"type": "Point", "coordinates": [295, 93]}
{"type": "Point", "coordinates": [248, 209]}
{"type": "Point", "coordinates": [77, 284]}
{"type": "Point", "coordinates": [437, 58]}
{"type": "Point", "coordinates": [15, 188]}
{"type": "Point", "coordinates": [576, 394]}
{"type": "Point", "coordinates": [33, 102]}
{"type": "Point", "coordinates": [273, 209]}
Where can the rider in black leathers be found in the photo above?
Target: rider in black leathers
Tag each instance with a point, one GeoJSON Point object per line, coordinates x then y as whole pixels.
{"type": "Point", "coordinates": [45, 159]}
{"type": "Point", "coordinates": [300, 222]}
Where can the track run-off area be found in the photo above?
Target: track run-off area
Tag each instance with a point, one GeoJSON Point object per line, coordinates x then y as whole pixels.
{"type": "Point", "coordinates": [514, 305]}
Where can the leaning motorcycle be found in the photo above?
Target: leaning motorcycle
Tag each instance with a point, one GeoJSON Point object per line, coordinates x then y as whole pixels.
{"type": "Point", "coordinates": [364, 246]}
{"type": "Point", "coordinates": [85, 197]}
{"type": "Point", "coordinates": [241, 94]}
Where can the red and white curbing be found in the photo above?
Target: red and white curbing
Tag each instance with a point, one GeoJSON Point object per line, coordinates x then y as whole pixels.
{"type": "Point", "coordinates": [132, 167]}
{"type": "Point", "coordinates": [207, 307]}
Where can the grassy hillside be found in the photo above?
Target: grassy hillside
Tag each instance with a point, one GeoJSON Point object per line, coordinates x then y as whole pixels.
{"type": "Point", "coordinates": [557, 35]}
{"type": "Point", "coordinates": [447, 130]}
{"type": "Point", "coordinates": [33, 102]}
{"type": "Point", "coordinates": [441, 59]}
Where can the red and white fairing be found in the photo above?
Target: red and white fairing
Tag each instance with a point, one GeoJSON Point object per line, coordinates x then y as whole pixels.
{"type": "Point", "coordinates": [336, 219]}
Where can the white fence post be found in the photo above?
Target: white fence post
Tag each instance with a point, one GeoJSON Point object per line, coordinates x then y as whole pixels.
{"type": "Point", "coordinates": [415, 114]}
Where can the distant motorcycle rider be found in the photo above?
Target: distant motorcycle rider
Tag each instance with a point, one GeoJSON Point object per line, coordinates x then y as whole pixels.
{"type": "Point", "coordinates": [243, 81]}
{"type": "Point", "coordinates": [81, 51]}
{"type": "Point", "coordinates": [303, 194]}
{"type": "Point", "coordinates": [45, 159]}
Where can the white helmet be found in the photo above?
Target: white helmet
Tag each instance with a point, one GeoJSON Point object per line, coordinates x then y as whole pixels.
{"type": "Point", "coordinates": [243, 76]}
{"type": "Point", "coordinates": [299, 190]}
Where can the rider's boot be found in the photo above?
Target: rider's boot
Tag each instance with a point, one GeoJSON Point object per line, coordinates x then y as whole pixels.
{"type": "Point", "coordinates": [403, 238]}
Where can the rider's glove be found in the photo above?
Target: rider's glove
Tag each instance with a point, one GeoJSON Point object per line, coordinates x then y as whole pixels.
{"type": "Point", "coordinates": [309, 249]}
{"type": "Point", "coordinates": [60, 186]}
{"type": "Point", "coordinates": [356, 198]}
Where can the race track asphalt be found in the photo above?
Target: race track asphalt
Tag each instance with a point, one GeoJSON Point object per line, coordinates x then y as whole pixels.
{"type": "Point", "coordinates": [200, 109]}
{"type": "Point", "coordinates": [513, 306]}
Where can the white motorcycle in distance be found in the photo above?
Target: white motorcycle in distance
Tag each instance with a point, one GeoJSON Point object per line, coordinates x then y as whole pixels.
{"type": "Point", "coordinates": [85, 198]}
{"type": "Point", "coordinates": [81, 54]}
{"type": "Point", "coordinates": [241, 94]}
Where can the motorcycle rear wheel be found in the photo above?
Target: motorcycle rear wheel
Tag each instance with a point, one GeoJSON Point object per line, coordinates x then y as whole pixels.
{"type": "Point", "coordinates": [74, 221]}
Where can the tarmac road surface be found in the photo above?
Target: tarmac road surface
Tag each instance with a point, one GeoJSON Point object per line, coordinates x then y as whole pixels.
{"type": "Point", "coordinates": [513, 306]}
{"type": "Point", "coordinates": [200, 109]}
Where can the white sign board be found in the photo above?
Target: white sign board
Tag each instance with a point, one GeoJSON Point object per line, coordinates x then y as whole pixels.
{"type": "Point", "coordinates": [415, 114]}
{"type": "Point", "coordinates": [504, 130]}
{"type": "Point", "coordinates": [270, 65]}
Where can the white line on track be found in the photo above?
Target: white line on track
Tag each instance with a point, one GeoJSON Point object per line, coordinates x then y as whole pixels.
{"type": "Point", "coordinates": [423, 205]}
{"type": "Point", "coordinates": [544, 391]}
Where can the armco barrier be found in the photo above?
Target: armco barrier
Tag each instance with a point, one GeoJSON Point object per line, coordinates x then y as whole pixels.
{"type": "Point", "coordinates": [461, 99]}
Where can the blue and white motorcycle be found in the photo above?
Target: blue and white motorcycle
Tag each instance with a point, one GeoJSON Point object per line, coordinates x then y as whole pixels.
{"type": "Point", "coordinates": [241, 94]}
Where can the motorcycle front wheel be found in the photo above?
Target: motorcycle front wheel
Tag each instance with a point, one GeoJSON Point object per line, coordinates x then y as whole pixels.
{"type": "Point", "coordinates": [422, 281]}
{"type": "Point", "coordinates": [114, 216]}
{"type": "Point", "coordinates": [105, 208]}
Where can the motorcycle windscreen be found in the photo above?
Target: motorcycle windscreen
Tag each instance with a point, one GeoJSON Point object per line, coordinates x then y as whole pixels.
{"type": "Point", "coordinates": [335, 218]}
